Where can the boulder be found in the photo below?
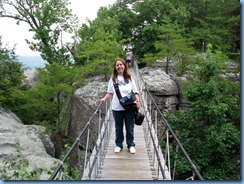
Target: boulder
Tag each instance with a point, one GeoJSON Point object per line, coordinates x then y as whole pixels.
{"type": "Point", "coordinates": [30, 144]}
{"type": "Point", "coordinates": [30, 78]}
{"type": "Point", "coordinates": [82, 105]}
{"type": "Point", "coordinates": [162, 87]}
{"type": "Point", "coordinates": [158, 82]}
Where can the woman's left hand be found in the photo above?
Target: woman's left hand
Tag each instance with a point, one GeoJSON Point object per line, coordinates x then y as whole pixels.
{"type": "Point", "coordinates": [138, 105]}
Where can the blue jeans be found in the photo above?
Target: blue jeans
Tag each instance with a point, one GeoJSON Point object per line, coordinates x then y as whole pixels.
{"type": "Point", "coordinates": [121, 117]}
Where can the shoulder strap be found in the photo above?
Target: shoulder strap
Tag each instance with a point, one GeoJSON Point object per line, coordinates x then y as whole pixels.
{"type": "Point", "coordinates": [116, 87]}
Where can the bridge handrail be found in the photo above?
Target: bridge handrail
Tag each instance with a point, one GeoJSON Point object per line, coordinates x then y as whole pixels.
{"type": "Point", "coordinates": [151, 130]}
{"type": "Point", "coordinates": [136, 69]}
{"type": "Point", "coordinates": [76, 142]}
{"type": "Point", "coordinates": [99, 147]}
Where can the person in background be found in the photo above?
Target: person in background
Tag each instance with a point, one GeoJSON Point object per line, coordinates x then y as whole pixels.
{"type": "Point", "coordinates": [128, 56]}
{"type": "Point", "coordinates": [121, 116]}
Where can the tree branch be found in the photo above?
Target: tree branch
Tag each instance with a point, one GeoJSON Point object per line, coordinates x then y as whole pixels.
{"type": "Point", "coordinates": [14, 17]}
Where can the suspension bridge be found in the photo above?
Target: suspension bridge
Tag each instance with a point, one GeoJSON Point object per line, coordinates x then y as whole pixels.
{"type": "Point", "coordinates": [152, 158]}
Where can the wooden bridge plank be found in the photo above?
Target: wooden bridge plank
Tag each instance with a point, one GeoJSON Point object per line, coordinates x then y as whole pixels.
{"type": "Point", "coordinates": [124, 165]}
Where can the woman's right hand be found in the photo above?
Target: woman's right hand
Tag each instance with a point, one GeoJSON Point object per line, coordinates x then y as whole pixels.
{"type": "Point", "coordinates": [102, 100]}
{"type": "Point", "coordinates": [107, 96]}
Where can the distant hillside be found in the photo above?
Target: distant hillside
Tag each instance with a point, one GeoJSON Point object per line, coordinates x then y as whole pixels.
{"type": "Point", "coordinates": [31, 62]}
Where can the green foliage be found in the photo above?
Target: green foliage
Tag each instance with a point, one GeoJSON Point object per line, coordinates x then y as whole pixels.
{"type": "Point", "coordinates": [96, 68]}
{"type": "Point", "coordinates": [215, 150]}
{"type": "Point", "coordinates": [43, 104]}
{"type": "Point", "coordinates": [99, 42]}
{"type": "Point", "coordinates": [11, 77]}
{"type": "Point", "coordinates": [204, 22]}
{"type": "Point", "coordinates": [148, 15]}
{"type": "Point", "coordinates": [208, 95]}
{"type": "Point", "coordinates": [215, 22]}
{"type": "Point", "coordinates": [211, 136]}
{"type": "Point", "coordinates": [17, 167]}
{"type": "Point", "coordinates": [48, 97]}
{"type": "Point", "coordinates": [47, 19]}
{"type": "Point", "coordinates": [172, 46]}
{"type": "Point", "coordinates": [99, 46]}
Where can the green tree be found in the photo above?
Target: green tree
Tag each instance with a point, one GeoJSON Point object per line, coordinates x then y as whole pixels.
{"type": "Point", "coordinates": [147, 19]}
{"type": "Point", "coordinates": [208, 131]}
{"type": "Point", "coordinates": [204, 21]}
{"type": "Point", "coordinates": [213, 21]}
{"type": "Point", "coordinates": [43, 104]}
{"type": "Point", "coordinates": [47, 20]}
{"type": "Point", "coordinates": [140, 21]}
{"type": "Point", "coordinates": [100, 43]}
{"type": "Point", "coordinates": [171, 45]}
{"type": "Point", "coordinates": [11, 77]}
{"type": "Point", "coordinates": [47, 99]}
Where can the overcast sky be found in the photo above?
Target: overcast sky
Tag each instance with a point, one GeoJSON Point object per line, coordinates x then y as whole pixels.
{"type": "Point", "coordinates": [13, 34]}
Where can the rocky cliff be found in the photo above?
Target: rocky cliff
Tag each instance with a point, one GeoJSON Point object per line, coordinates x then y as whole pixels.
{"type": "Point", "coordinates": [31, 141]}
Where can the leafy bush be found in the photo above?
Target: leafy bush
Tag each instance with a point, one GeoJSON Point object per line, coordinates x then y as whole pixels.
{"type": "Point", "coordinates": [208, 130]}
{"type": "Point", "coordinates": [18, 168]}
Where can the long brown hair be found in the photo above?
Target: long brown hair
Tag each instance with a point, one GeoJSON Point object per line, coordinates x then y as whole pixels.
{"type": "Point", "coordinates": [126, 74]}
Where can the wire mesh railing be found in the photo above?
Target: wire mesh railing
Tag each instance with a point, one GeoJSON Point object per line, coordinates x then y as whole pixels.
{"type": "Point", "coordinates": [158, 161]}
{"type": "Point", "coordinates": [157, 134]}
{"type": "Point", "coordinates": [92, 168]}
{"type": "Point", "coordinates": [91, 159]}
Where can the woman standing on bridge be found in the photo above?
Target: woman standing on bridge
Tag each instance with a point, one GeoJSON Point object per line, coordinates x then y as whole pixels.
{"type": "Point", "coordinates": [126, 83]}
{"type": "Point", "coordinates": [128, 57]}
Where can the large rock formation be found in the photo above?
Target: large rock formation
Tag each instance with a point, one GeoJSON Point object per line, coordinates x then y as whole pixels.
{"type": "Point", "coordinates": [30, 78]}
{"type": "Point", "coordinates": [162, 87]}
{"type": "Point", "coordinates": [31, 140]}
{"type": "Point", "coordinates": [82, 105]}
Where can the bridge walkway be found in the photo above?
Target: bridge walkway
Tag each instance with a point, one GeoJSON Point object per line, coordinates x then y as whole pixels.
{"type": "Point", "coordinates": [124, 165]}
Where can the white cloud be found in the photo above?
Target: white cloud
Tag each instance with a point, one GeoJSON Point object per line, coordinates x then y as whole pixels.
{"type": "Point", "coordinates": [13, 34]}
{"type": "Point", "coordinates": [89, 8]}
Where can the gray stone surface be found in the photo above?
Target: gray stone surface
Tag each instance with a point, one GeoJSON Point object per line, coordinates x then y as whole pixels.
{"type": "Point", "coordinates": [30, 143]}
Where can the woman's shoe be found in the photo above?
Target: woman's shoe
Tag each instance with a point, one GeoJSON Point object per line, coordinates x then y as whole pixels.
{"type": "Point", "coordinates": [132, 150]}
{"type": "Point", "coordinates": [117, 149]}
